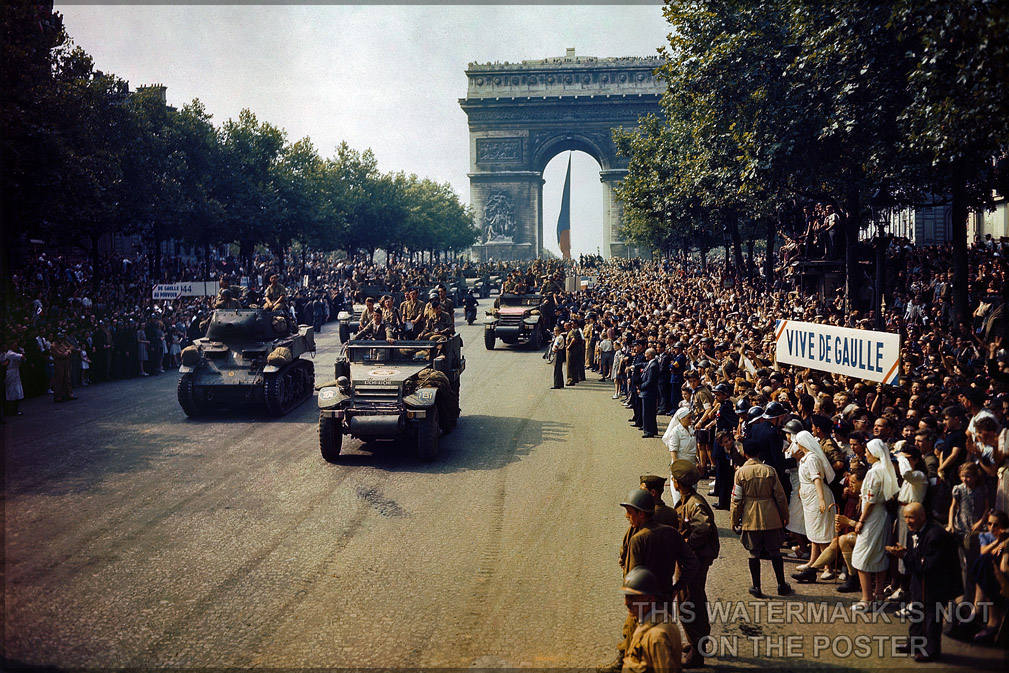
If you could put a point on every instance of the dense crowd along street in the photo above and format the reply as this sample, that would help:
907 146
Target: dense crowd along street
826 473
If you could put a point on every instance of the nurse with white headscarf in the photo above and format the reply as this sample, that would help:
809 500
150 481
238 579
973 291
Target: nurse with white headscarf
680 440
817 500
869 557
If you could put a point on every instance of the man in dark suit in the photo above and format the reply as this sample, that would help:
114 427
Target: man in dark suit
663 358
557 347
649 394
634 375
933 567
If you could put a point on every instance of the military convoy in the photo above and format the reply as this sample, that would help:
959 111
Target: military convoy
517 319
247 356
406 390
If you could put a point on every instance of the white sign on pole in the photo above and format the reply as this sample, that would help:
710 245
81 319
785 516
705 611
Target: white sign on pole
841 350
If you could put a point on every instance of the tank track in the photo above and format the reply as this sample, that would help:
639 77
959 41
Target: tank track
289 387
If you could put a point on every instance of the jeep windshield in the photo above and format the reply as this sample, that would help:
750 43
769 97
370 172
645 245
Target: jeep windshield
372 354
521 300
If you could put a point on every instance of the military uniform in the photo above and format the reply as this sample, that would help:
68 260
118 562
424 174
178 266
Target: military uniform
759 506
654 646
274 295
376 332
438 322
698 528
227 302
660 549
411 311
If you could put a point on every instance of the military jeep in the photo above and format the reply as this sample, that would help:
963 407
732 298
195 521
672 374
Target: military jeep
516 319
247 356
402 390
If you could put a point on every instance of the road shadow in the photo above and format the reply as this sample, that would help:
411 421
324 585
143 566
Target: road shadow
68 467
477 443
244 413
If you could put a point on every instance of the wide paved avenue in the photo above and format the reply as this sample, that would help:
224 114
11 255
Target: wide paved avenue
138 538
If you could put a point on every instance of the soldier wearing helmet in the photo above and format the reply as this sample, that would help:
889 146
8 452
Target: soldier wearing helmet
698 528
654 644
654 546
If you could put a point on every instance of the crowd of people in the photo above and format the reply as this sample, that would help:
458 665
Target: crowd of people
864 484
861 483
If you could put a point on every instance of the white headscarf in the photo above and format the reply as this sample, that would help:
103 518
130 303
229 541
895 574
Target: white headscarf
806 440
883 467
679 416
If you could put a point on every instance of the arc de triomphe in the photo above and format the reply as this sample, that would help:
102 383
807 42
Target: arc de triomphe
521 115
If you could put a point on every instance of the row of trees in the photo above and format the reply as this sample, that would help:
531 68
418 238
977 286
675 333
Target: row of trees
85 157
865 104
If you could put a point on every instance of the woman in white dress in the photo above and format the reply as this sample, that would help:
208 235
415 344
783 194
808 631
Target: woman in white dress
679 439
12 382
871 531
796 522
817 500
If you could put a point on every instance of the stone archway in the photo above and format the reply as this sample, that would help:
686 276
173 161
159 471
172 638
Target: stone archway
521 115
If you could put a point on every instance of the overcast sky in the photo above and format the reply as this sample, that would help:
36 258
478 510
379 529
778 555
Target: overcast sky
384 77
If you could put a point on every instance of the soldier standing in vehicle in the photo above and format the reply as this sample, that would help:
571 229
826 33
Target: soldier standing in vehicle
411 310
436 320
698 528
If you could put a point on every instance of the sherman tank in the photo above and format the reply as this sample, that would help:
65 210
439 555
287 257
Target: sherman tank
248 356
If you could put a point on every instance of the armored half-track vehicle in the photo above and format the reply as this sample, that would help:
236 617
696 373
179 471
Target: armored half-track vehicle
516 319
247 356
403 390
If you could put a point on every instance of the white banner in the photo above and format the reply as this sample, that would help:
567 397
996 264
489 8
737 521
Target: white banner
860 353
190 288
172 291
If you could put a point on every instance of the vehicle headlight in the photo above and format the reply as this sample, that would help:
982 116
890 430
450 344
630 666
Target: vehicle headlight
343 383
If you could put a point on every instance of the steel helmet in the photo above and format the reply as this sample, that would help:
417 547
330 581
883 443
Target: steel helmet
774 409
640 500
754 413
793 427
742 405
641 581
723 388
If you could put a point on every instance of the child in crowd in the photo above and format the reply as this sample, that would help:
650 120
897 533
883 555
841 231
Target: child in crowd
971 503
